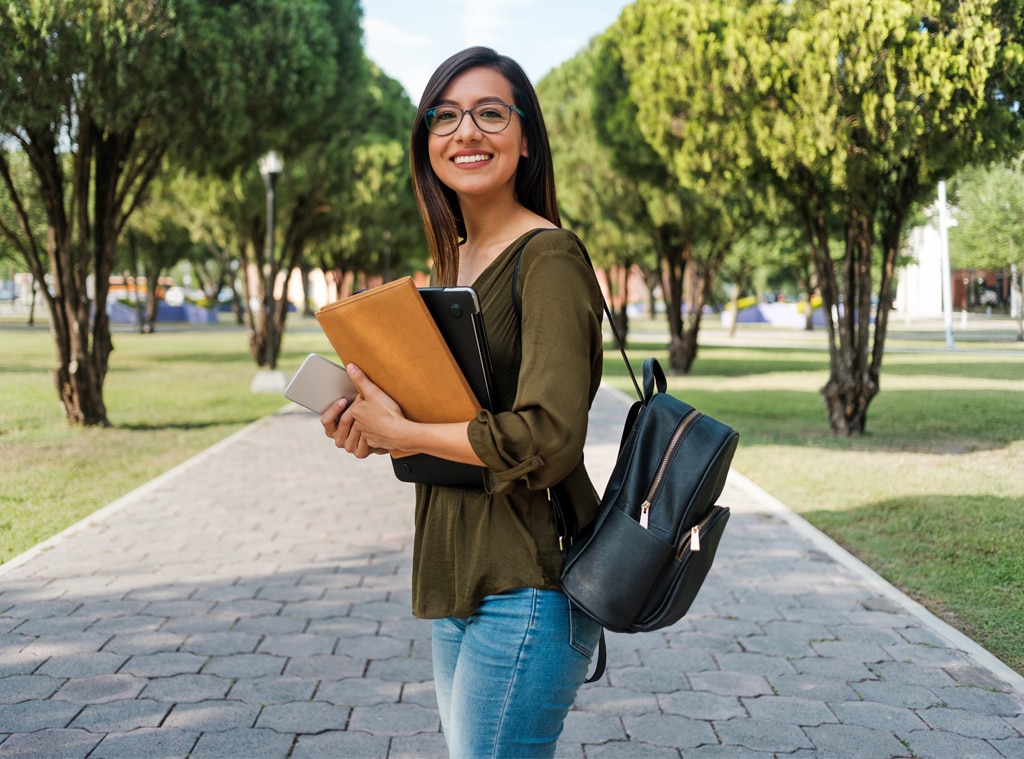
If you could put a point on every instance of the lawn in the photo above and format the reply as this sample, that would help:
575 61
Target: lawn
931 497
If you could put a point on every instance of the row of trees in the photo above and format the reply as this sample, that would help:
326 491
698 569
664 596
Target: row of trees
698 126
694 139
129 135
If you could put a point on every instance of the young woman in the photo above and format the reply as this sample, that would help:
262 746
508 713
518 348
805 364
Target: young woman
509 651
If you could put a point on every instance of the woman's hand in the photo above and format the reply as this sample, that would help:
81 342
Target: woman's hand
369 424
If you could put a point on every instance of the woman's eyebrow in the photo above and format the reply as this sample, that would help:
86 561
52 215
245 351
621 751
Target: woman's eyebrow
480 101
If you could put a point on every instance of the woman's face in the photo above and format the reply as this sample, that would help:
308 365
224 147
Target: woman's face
470 161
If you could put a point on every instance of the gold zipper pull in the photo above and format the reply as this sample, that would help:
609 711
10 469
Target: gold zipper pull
645 514
695 538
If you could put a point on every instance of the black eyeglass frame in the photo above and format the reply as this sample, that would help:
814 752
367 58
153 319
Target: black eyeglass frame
429 113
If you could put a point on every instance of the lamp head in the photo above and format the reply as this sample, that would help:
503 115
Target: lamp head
271 164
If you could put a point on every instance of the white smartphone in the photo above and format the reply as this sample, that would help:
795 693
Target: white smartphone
318 383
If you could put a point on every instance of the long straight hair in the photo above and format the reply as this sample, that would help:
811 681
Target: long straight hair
535 176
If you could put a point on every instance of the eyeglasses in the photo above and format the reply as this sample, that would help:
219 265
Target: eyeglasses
492 118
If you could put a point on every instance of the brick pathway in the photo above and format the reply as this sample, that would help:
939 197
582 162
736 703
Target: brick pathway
254 602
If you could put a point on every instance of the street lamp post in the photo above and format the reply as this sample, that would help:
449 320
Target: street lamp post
947 281
270 169
270 380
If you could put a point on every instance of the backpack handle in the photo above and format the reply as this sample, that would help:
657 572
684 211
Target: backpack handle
654 376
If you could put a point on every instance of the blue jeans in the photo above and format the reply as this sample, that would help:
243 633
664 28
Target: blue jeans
506 677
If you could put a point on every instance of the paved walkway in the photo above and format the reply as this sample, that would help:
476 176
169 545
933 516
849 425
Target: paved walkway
254 602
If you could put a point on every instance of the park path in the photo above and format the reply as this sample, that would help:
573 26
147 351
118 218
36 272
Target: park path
254 602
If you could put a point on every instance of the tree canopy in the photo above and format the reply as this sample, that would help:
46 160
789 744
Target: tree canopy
682 67
96 94
849 110
602 205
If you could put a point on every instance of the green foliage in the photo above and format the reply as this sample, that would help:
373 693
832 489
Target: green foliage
604 206
270 72
989 210
859 108
681 129
95 94
373 219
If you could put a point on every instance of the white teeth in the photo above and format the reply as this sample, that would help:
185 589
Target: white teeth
470 158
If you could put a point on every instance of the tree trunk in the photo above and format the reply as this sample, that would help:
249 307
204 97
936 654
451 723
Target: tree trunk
617 282
148 324
850 386
652 281
280 319
675 268
307 300
256 311
853 381
32 305
847 403
79 324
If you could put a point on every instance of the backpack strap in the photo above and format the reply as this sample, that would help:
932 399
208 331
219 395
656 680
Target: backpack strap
611 319
561 522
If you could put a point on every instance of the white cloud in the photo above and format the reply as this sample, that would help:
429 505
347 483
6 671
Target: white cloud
490 24
387 36
401 54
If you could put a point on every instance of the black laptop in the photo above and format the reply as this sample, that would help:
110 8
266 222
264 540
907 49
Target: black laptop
456 311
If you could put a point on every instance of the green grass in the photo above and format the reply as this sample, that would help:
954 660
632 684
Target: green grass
931 497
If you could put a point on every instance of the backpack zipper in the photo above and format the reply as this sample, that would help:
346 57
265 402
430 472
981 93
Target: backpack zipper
692 539
645 507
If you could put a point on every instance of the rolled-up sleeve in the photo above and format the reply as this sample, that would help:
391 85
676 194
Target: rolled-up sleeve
540 440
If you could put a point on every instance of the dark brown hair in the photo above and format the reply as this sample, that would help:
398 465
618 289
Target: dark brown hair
535 177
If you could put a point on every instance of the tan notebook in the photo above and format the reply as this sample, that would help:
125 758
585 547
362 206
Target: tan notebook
388 332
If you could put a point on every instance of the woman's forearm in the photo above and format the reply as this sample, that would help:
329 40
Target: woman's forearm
446 441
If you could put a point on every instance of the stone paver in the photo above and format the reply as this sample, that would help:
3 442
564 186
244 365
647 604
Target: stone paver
254 602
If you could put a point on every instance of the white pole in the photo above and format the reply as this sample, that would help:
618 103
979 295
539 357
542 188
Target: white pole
947 276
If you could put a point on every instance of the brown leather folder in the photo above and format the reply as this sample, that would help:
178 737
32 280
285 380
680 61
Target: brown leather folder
388 332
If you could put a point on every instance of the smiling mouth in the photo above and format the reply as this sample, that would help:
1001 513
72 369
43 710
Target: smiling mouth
471 158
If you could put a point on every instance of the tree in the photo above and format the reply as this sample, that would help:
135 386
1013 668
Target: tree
372 224
989 233
601 204
859 108
683 76
344 201
95 94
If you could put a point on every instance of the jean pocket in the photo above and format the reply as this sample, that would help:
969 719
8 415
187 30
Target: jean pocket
584 632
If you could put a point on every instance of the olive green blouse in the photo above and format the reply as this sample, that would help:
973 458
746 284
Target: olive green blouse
471 543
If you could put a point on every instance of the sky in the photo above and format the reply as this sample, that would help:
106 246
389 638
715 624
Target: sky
407 39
